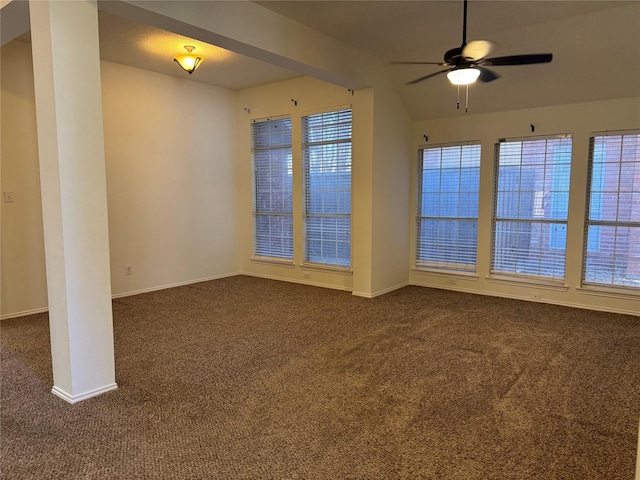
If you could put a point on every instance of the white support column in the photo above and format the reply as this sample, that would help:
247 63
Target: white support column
66 65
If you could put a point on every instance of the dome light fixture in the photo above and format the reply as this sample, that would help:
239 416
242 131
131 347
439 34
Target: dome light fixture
188 61
463 76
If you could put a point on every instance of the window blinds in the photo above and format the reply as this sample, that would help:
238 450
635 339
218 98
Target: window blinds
448 186
327 187
272 169
612 227
531 206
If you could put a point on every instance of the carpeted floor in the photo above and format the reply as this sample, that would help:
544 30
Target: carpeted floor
246 378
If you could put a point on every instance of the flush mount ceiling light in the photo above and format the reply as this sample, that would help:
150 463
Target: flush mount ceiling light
188 61
463 76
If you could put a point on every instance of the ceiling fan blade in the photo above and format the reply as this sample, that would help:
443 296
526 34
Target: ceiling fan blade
487 75
519 59
412 82
477 50
418 63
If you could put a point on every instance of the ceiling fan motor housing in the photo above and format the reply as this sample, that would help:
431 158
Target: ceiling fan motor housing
453 56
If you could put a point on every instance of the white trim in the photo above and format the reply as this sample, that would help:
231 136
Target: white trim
173 285
608 292
319 111
638 456
614 133
278 262
298 281
24 313
380 292
532 138
67 397
127 294
528 282
325 267
528 299
462 143
269 118
446 273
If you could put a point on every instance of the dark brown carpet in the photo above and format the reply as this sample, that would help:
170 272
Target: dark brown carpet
245 378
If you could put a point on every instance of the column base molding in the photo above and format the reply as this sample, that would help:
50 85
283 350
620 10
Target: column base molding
67 397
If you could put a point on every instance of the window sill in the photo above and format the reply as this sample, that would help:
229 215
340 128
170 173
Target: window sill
321 267
611 292
558 286
280 262
445 273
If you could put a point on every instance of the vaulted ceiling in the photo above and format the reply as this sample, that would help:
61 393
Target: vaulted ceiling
596 47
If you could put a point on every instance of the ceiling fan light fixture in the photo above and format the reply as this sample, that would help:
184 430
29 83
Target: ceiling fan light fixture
188 61
463 76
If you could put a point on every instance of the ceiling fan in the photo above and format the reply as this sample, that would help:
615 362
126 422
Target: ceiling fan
467 63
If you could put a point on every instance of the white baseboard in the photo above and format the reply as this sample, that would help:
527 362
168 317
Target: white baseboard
174 285
340 287
67 397
126 294
25 313
528 299
380 292
295 280
638 455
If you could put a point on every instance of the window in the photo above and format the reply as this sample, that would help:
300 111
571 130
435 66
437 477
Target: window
447 223
531 206
612 226
272 177
327 187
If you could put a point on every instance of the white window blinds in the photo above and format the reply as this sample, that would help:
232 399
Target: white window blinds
531 206
447 221
612 227
327 187
273 180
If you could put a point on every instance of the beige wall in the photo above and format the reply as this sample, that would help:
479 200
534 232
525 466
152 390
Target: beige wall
24 285
169 147
576 119
380 164
312 96
391 192
170 178
179 183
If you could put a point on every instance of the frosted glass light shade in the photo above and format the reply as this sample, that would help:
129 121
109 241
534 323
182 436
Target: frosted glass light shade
188 61
463 76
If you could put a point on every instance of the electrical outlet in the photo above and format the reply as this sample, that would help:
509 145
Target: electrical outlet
128 270
306 276
7 197
535 296
451 281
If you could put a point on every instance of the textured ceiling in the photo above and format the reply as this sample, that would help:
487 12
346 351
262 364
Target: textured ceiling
144 46
596 46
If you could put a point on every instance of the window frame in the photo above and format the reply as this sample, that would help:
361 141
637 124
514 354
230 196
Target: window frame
588 222
308 262
460 268
271 257
515 276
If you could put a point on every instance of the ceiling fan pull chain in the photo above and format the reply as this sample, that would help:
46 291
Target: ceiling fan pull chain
458 103
466 101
